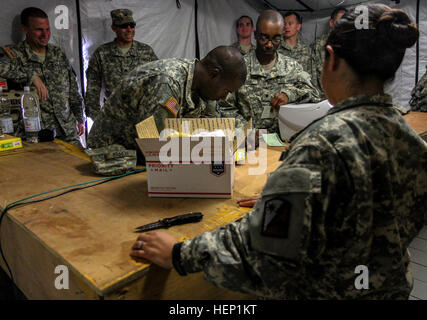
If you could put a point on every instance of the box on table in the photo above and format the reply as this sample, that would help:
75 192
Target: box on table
181 164
10 142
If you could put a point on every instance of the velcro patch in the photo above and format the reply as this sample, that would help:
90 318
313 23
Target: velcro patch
172 105
276 218
9 52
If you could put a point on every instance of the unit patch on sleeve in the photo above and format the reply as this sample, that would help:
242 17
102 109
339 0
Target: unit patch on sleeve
9 53
276 219
172 105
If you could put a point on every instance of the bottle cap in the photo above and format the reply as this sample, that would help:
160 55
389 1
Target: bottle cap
26 89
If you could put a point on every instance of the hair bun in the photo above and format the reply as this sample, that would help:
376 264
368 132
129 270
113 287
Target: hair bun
396 26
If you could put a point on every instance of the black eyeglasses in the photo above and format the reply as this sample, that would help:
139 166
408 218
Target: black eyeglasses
126 25
263 39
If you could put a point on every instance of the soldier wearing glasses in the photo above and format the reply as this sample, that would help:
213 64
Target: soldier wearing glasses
272 79
113 60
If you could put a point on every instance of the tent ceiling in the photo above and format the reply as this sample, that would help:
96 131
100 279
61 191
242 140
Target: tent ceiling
306 4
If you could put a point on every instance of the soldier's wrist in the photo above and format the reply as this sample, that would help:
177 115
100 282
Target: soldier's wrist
289 94
176 259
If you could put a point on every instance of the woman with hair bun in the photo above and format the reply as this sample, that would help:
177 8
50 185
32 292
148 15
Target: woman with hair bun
334 221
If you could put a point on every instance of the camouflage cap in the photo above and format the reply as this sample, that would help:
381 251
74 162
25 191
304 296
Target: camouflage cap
121 16
112 160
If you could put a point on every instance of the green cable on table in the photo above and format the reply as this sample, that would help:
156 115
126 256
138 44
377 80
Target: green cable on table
75 187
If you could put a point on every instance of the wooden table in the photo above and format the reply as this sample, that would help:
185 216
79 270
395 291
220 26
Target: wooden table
91 231
418 122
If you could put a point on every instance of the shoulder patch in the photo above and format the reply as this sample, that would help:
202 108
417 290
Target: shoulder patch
172 105
9 52
276 218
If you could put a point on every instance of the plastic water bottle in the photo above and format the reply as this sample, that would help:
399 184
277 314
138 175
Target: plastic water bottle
6 123
30 115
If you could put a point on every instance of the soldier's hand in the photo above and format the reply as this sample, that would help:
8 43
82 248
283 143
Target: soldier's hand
279 100
248 202
252 141
41 88
80 129
155 247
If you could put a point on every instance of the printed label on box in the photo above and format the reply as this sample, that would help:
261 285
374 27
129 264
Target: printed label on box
218 169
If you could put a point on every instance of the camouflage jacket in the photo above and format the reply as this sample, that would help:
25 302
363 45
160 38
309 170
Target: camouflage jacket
11 69
419 95
351 191
238 46
107 67
300 52
261 86
161 88
318 57
64 105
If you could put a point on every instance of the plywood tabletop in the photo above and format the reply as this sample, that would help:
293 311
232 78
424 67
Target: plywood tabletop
92 229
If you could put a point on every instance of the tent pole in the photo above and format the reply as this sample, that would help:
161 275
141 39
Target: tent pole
79 32
417 65
197 32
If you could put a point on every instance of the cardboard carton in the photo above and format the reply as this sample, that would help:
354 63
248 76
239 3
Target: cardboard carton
182 164
9 142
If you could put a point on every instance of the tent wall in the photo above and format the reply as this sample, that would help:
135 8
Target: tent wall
169 30
217 18
217 21
67 39
169 27
423 38
400 87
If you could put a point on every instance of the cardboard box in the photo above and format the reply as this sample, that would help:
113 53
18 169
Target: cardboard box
184 165
9 142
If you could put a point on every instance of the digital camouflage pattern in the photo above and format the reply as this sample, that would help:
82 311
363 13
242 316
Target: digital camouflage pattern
370 206
112 160
318 56
300 52
64 106
261 86
419 95
161 89
10 68
108 66
239 47
121 16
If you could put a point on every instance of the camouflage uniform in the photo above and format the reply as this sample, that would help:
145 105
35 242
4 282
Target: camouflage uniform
239 47
352 190
161 88
107 67
318 56
261 86
419 95
300 52
64 105
10 68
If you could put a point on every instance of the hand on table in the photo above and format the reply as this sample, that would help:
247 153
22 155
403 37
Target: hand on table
252 141
155 247
248 202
